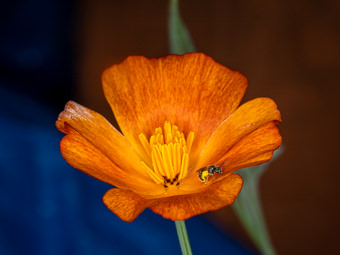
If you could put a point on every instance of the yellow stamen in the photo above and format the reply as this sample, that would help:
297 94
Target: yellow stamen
184 166
169 152
151 173
145 144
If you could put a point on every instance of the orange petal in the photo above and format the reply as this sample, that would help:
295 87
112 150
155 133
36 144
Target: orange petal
191 91
95 147
81 154
247 118
254 149
99 132
125 204
213 197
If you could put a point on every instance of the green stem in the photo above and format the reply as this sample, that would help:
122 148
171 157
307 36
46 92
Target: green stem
183 237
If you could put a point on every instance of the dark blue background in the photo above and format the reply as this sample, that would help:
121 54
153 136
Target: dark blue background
47 207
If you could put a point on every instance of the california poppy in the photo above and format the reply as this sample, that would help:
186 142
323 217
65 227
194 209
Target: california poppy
178 116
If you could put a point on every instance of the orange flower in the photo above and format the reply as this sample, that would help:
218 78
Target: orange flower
178 114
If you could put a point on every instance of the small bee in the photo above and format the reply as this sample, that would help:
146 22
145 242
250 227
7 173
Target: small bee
205 172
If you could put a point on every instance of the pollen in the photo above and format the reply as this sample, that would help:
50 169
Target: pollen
169 151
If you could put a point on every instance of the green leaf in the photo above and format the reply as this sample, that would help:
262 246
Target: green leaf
179 38
247 207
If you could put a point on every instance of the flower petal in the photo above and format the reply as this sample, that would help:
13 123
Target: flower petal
247 118
254 149
81 154
128 205
99 132
191 91
125 204
95 147
213 197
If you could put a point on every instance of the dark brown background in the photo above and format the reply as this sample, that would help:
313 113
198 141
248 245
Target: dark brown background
290 52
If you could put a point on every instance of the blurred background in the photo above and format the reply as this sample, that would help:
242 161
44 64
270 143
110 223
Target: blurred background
54 51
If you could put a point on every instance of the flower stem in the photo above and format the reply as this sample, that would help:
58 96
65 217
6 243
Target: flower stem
183 237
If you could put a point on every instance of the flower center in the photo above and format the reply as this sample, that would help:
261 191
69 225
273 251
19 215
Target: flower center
169 152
